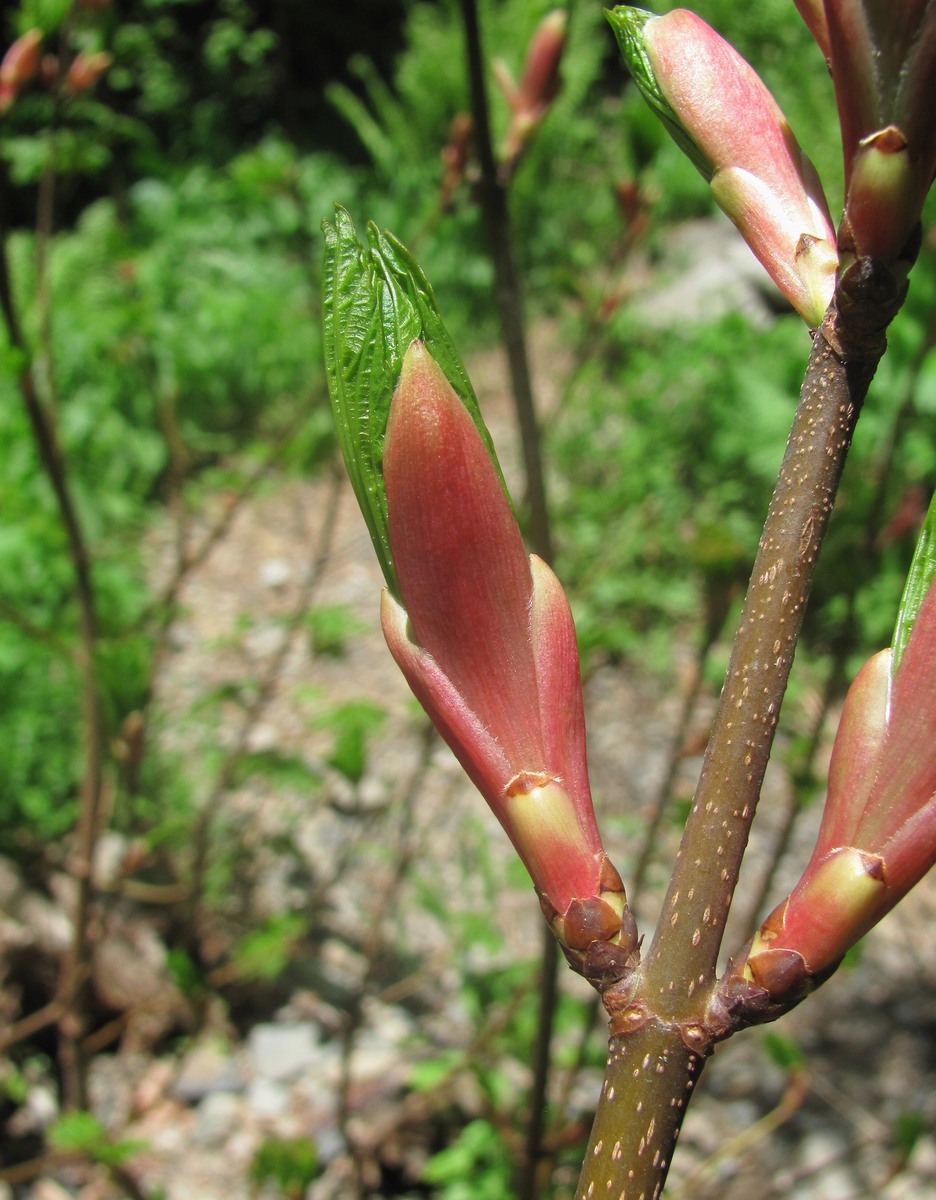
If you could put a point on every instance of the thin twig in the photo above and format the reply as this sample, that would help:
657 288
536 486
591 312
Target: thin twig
73 980
263 697
509 299
664 1026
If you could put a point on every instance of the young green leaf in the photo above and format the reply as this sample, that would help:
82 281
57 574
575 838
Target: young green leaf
376 301
628 24
921 575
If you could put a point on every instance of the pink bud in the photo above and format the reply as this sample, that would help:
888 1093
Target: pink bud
539 84
758 173
878 833
455 156
883 63
85 70
19 65
484 635
813 13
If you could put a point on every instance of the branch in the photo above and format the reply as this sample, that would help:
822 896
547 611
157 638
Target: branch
664 1024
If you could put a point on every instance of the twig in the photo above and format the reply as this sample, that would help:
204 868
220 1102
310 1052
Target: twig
75 971
508 295
263 697
664 1025
507 288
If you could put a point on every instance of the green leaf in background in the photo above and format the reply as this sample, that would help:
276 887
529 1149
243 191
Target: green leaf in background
352 724
283 770
920 576
265 952
331 626
783 1051
909 1127
289 1164
376 301
81 1130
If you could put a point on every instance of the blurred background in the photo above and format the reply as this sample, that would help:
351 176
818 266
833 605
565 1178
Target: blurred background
258 937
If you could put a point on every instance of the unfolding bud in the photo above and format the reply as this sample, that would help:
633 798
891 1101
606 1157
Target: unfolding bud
878 833
539 84
883 63
485 638
455 155
19 65
721 114
85 70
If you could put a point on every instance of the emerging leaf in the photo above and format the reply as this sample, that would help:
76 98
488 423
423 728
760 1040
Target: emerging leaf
919 578
376 301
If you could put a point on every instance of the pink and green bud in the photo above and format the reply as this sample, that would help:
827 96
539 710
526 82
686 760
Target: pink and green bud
376 300
455 155
19 65
877 838
85 70
813 13
539 84
883 62
721 114
484 635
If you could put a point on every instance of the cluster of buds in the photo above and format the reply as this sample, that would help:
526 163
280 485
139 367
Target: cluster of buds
877 838
883 63
723 116
539 85
484 635
882 58
24 62
20 65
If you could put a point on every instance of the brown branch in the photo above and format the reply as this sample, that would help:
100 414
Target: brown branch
507 287
664 1023
75 972
509 299
263 697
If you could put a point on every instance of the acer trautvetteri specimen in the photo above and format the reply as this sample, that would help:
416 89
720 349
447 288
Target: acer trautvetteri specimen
484 635
482 631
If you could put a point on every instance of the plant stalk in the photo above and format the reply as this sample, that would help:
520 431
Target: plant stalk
76 969
664 1024
509 299
507 288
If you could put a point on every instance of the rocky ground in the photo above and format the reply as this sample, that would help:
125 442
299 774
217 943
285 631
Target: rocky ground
402 889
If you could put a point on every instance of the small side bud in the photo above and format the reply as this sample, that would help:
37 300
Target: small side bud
20 64
539 84
832 907
878 833
85 71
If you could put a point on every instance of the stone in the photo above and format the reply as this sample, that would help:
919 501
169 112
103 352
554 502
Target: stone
282 1051
267 1098
218 1116
208 1067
